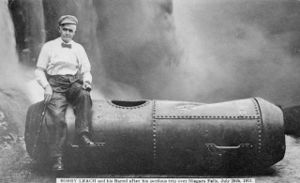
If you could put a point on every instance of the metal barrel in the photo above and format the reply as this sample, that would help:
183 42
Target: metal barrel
35 139
174 136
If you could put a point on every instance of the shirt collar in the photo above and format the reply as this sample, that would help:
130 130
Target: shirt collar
61 41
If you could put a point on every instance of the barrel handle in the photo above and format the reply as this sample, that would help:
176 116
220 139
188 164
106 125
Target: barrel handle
98 145
213 147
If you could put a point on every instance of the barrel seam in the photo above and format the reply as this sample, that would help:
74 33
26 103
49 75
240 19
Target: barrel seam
259 123
154 142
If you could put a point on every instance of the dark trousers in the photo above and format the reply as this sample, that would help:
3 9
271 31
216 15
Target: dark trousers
66 89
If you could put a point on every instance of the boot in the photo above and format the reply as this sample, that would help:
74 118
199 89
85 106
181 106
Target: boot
86 141
58 164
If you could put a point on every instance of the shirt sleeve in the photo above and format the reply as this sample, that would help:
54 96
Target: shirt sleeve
42 64
43 58
85 66
41 77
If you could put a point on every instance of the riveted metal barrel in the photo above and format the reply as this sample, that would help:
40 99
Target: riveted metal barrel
174 136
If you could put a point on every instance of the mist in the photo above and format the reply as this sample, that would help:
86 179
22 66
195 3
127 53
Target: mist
9 58
137 45
200 50
237 49
12 96
196 50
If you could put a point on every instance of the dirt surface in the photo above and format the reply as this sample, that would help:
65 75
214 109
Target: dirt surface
16 166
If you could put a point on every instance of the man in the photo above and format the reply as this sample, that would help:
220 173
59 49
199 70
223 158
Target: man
63 70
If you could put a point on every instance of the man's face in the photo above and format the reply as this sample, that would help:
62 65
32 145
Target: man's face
67 31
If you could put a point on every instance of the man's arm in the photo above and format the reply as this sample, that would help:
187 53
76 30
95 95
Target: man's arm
41 75
85 69
42 80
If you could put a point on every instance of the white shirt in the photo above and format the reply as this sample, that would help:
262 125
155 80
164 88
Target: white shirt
57 60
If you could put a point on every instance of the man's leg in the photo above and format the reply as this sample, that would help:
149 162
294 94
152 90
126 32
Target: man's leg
82 103
56 127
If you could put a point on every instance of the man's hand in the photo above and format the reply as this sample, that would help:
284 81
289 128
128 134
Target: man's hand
87 85
48 93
